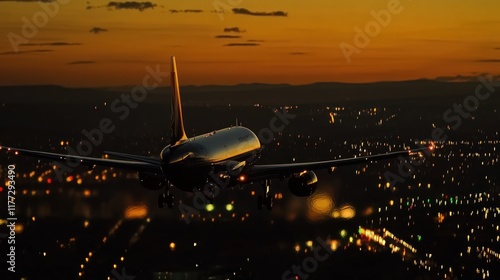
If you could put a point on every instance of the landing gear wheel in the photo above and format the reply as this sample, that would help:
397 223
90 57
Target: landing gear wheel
166 199
161 200
269 203
266 199
170 201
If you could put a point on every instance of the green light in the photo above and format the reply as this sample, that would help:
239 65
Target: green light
210 207
419 237
229 207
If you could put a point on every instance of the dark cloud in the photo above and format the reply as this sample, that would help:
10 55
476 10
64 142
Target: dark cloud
298 53
97 30
81 62
243 11
186 11
234 29
254 40
50 44
489 60
227 36
498 49
131 5
242 45
23 52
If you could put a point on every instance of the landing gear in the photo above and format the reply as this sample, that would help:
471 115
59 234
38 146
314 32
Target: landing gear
210 191
266 199
166 198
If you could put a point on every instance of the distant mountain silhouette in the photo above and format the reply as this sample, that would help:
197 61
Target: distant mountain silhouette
247 94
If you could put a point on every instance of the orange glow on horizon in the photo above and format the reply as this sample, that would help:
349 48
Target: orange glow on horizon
426 39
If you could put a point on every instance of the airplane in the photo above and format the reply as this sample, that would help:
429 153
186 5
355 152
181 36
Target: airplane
230 154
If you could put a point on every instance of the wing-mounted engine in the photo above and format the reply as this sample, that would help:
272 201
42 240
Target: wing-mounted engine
152 180
303 184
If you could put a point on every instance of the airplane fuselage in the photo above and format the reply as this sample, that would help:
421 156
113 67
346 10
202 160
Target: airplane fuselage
187 165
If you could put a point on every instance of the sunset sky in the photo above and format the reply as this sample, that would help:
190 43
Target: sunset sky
103 43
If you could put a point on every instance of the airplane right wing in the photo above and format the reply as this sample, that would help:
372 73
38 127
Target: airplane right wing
273 171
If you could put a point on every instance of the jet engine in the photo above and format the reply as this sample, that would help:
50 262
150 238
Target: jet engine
303 183
152 181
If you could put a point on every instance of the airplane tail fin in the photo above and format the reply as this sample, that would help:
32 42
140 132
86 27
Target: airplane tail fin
177 125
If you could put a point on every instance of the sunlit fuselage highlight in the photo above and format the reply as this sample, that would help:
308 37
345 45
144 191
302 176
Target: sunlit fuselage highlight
187 165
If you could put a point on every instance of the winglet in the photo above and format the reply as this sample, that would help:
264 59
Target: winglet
177 125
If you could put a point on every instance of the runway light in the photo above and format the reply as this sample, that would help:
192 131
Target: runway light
296 248
19 228
343 233
229 207
210 207
347 212
432 146
87 193
172 246
321 203
136 211
334 244
242 178
336 214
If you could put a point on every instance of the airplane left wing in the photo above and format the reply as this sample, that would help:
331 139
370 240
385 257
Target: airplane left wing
87 161
273 171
